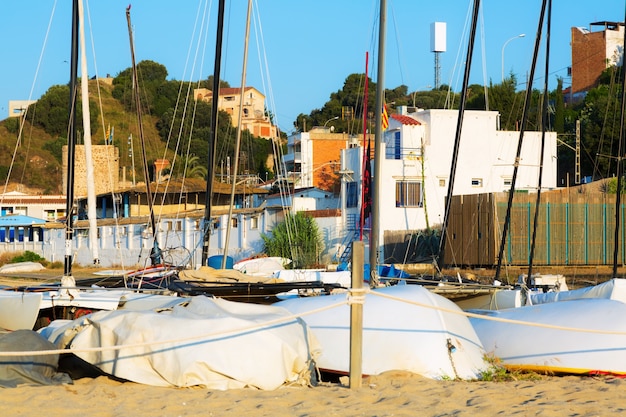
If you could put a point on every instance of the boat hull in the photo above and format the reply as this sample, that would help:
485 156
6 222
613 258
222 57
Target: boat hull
408 334
568 348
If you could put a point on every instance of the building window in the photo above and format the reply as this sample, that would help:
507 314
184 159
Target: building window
507 183
234 222
352 195
254 222
408 194
477 182
442 182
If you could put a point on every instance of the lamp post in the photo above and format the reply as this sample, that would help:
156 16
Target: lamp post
521 35
330 120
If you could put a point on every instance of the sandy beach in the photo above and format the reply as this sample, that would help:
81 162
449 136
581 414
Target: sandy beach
390 394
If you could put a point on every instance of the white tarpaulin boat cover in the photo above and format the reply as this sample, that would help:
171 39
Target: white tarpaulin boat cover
208 342
415 331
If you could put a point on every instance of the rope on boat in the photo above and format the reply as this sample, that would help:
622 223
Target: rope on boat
195 339
354 296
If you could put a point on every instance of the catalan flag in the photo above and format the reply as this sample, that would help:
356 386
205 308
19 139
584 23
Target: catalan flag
385 118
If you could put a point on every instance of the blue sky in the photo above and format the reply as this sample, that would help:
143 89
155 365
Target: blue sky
300 51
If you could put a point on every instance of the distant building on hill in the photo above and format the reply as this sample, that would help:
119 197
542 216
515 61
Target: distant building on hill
594 50
253 118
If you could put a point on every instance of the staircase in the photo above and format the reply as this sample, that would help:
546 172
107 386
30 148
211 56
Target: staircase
352 233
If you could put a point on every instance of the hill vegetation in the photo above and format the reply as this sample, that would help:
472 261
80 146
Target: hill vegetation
31 149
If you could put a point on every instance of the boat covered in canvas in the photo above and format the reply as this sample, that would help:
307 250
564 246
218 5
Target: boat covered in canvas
579 336
415 331
197 341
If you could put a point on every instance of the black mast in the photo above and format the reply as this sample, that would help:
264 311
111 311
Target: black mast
459 126
155 253
620 168
213 143
71 142
507 218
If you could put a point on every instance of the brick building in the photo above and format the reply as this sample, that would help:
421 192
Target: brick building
594 50
312 158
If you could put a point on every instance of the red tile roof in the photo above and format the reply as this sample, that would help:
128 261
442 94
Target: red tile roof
405 120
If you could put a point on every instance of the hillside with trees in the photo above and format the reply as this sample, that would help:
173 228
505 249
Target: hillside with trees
182 134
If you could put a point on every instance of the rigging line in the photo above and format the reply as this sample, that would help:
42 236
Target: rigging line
607 111
520 141
110 171
484 56
459 125
30 95
544 114
199 12
450 96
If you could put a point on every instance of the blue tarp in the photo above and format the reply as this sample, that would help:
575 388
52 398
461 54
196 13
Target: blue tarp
19 220
384 271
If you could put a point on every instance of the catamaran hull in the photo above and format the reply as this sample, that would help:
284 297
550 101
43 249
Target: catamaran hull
568 348
410 334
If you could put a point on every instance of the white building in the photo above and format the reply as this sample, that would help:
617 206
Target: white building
417 149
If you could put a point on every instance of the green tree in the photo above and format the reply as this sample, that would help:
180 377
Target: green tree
559 108
297 238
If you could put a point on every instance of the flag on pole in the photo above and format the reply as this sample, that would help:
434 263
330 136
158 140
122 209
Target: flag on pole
385 118
367 184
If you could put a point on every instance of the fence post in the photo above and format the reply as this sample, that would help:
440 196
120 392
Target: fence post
356 316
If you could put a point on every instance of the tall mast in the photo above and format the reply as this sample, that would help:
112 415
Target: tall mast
71 142
91 192
620 166
378 154
459 126
213 143
366 156
155 254
520 141
238 140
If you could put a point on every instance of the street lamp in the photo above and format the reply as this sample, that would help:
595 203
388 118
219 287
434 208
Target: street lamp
521 35
330 120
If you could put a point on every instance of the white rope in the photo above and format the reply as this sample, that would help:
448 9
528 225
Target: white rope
499 319
204 338
357 295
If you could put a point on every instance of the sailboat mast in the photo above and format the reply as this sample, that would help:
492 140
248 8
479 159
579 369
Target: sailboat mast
155 254
365 150
507 218
378 154
213 143
544 123
71 142
459 127
91 192
238 140
620 166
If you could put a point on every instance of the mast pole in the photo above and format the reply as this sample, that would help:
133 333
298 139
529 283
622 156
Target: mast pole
238 140
71 142
213 143
459 127
365 149
91 192
377 183
544 123
507 218
155 253
620 167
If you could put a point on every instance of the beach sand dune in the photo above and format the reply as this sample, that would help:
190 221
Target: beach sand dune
390 394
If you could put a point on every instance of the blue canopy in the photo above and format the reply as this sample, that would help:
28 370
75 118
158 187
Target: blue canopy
19 220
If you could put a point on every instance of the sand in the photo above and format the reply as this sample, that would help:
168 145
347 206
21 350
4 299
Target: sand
390 394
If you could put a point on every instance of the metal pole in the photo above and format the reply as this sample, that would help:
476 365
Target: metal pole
356 316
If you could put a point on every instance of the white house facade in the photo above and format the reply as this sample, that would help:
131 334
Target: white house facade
417 155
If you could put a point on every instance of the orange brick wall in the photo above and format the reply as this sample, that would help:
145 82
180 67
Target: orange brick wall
588 59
